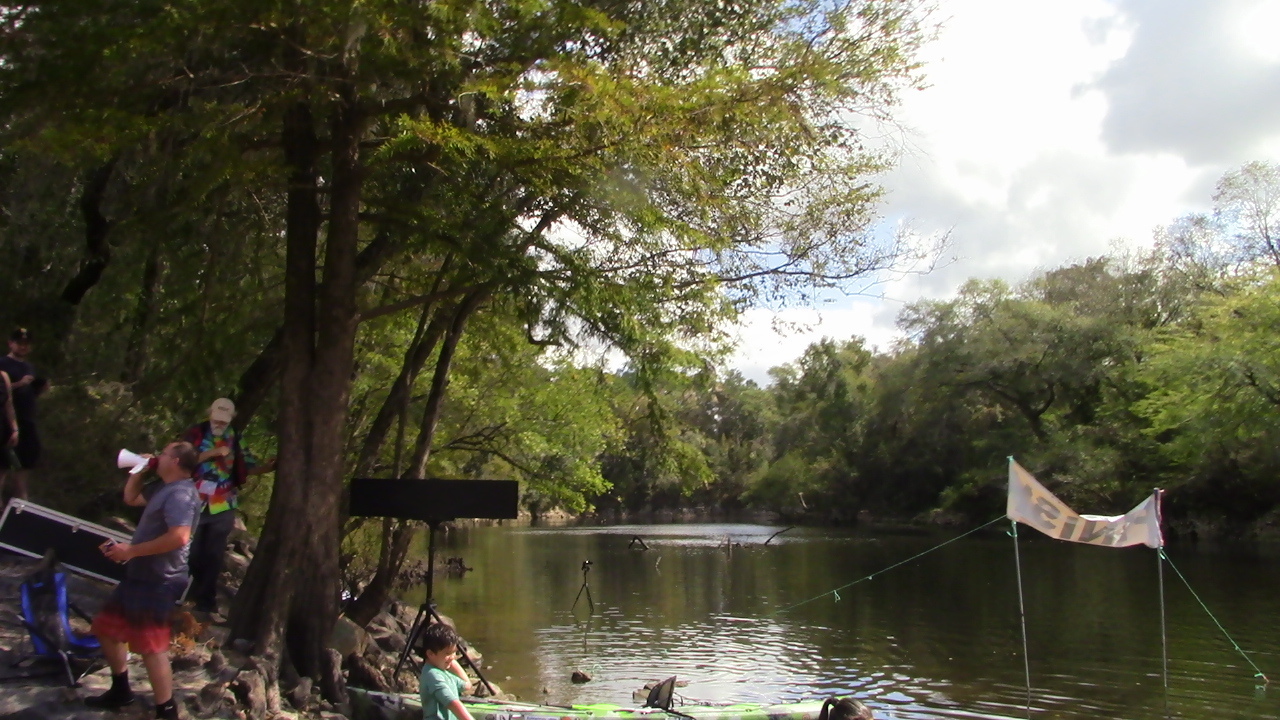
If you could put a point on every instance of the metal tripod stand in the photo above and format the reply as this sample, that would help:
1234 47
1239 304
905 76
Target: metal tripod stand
427 612
586 568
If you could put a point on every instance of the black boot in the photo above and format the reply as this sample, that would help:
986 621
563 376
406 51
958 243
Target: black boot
167 710
117 697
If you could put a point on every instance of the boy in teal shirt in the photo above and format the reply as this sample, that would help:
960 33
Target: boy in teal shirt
443 680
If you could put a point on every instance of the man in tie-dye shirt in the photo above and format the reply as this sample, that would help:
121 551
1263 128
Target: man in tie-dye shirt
225 465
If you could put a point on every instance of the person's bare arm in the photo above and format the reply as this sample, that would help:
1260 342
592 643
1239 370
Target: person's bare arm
133 488
459 710
8 410
173 539
212 453
266 467
456 668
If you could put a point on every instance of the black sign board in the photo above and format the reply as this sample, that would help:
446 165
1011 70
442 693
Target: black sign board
434 500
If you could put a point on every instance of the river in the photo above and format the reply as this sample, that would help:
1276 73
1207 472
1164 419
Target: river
937 637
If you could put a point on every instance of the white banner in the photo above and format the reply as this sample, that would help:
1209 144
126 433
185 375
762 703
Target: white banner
1031 504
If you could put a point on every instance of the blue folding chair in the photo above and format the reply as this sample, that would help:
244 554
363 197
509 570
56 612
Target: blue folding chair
46 615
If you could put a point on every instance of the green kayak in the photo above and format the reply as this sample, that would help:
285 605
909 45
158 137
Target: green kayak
370 705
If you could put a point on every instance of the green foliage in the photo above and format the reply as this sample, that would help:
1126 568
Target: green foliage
1214 400
782 486
1216 377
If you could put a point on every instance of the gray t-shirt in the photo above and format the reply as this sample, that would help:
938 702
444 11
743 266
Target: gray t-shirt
169 505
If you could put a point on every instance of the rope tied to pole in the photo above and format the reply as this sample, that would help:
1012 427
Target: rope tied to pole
836 591
1258 671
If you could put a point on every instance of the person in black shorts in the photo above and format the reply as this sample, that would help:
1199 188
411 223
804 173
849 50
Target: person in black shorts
25 387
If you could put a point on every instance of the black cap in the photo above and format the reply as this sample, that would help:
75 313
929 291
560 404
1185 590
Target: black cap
21 335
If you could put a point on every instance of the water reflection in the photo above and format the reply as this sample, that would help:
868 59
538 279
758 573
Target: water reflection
936 638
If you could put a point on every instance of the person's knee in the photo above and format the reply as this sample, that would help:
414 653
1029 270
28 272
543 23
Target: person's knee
156 661
109 644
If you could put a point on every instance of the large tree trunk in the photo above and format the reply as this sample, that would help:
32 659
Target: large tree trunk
315 606
56 319
262 603
397 535
97 251
259 379
397 539
393 405
290 594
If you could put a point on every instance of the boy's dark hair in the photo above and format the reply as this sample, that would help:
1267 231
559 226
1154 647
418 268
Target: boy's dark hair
846 709
187 457
438 636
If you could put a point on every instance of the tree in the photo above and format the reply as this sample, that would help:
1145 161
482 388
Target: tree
1206 251
1214 401
516 411
821 402
1051 372
738 421
1248 201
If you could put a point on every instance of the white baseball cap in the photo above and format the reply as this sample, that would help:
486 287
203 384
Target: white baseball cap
222 410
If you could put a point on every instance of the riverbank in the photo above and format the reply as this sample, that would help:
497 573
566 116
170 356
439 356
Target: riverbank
213 678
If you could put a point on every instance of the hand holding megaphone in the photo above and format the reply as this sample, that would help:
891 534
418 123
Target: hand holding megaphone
132 461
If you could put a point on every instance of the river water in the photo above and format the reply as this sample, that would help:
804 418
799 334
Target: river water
937 637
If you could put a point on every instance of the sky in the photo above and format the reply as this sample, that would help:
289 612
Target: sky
1051 132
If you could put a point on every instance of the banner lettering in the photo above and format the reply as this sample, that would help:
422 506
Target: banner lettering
1031 504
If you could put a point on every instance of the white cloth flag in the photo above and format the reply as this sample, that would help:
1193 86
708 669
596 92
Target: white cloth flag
1031 504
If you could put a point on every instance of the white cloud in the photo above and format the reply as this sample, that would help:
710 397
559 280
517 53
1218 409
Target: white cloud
1193 80
769 338
1051 129
1254 29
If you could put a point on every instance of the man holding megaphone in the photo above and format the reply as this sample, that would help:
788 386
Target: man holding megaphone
137 614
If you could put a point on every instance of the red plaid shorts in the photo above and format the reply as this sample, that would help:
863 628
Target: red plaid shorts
137 613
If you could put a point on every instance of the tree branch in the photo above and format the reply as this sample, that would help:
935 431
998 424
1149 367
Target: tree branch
97 227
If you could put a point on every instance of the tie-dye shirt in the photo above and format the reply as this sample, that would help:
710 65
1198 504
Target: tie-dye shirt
217 479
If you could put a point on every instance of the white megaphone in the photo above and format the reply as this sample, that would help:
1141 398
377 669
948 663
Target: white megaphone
131 461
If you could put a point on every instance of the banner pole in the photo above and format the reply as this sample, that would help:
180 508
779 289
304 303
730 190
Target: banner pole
1022 614
1164 636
